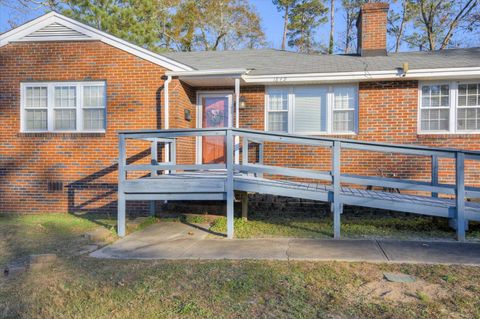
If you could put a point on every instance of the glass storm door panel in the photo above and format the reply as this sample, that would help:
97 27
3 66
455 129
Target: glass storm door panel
214 114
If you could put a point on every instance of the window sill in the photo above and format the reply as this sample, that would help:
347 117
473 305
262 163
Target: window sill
446 134
326 134
62 133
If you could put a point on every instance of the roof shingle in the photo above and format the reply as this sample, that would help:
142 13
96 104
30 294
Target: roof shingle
270 61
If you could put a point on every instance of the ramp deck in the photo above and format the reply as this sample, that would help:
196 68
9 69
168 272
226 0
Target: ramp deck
169 181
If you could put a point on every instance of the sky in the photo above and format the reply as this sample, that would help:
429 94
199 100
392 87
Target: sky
272 21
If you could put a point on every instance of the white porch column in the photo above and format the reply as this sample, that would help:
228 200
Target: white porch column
237 119
166 94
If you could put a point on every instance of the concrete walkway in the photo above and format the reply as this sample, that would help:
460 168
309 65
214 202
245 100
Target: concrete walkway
181 241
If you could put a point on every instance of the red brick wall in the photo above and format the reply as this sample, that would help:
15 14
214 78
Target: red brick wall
85 163
387 113
183 97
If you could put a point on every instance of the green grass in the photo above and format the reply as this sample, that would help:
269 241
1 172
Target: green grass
87 288
83 287
21 235
399 227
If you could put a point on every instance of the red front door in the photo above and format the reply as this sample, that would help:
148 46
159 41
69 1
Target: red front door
214 114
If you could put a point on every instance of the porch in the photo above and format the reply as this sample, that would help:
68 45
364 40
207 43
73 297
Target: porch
218 181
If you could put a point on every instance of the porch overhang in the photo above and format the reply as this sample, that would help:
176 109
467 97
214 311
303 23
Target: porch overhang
209 78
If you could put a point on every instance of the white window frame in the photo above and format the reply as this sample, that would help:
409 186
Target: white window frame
453 108
51 105
330 103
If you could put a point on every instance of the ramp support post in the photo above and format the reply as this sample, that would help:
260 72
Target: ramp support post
460 195
229 185
336 205
245 205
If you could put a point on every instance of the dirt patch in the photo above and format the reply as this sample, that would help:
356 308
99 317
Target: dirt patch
403 292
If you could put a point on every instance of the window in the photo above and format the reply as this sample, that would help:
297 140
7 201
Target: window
278 109
63 107
36 108
344 101
452 107
312 109
468 111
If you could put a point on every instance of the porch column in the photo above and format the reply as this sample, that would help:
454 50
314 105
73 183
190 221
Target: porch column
237 119
167 113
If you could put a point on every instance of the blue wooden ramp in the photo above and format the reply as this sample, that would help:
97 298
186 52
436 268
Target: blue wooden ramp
168 180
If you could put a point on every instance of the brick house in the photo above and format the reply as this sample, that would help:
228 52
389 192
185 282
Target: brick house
67 89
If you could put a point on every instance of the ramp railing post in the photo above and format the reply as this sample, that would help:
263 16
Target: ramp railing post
460 194
434 172
121 209
173 153
245 151
153 172
229 185
260 157
336 205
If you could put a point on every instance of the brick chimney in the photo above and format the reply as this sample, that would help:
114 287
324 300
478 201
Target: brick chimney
372 29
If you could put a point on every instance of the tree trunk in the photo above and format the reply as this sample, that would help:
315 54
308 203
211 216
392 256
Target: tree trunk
332 24
402 24
285 28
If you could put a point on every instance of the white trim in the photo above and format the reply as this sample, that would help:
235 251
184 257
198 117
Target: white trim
453 108
329 105
194 73
16 35
79 85
199 95
420 74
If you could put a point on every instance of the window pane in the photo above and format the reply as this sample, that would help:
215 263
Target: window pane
94 119
277 121
435 120
36 120
344 98
278 99
65 96
343 121
310 109
94 96
36 97
65 119
468 119
435 96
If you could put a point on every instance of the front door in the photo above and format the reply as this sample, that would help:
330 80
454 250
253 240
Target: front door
214 114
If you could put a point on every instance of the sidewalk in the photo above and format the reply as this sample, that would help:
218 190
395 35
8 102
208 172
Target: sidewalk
180 241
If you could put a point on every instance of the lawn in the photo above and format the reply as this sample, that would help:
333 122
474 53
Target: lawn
76 286
392 226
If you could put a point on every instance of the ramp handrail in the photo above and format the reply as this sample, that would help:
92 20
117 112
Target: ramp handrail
334 177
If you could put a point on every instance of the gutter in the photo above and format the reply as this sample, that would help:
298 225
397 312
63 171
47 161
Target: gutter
397 74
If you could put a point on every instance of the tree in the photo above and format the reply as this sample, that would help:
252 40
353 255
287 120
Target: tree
351 10
217 25
332 25
397 21
169 24
437 22
304 18
285 6
137 21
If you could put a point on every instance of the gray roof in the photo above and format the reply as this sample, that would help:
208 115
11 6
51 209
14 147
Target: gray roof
270 61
